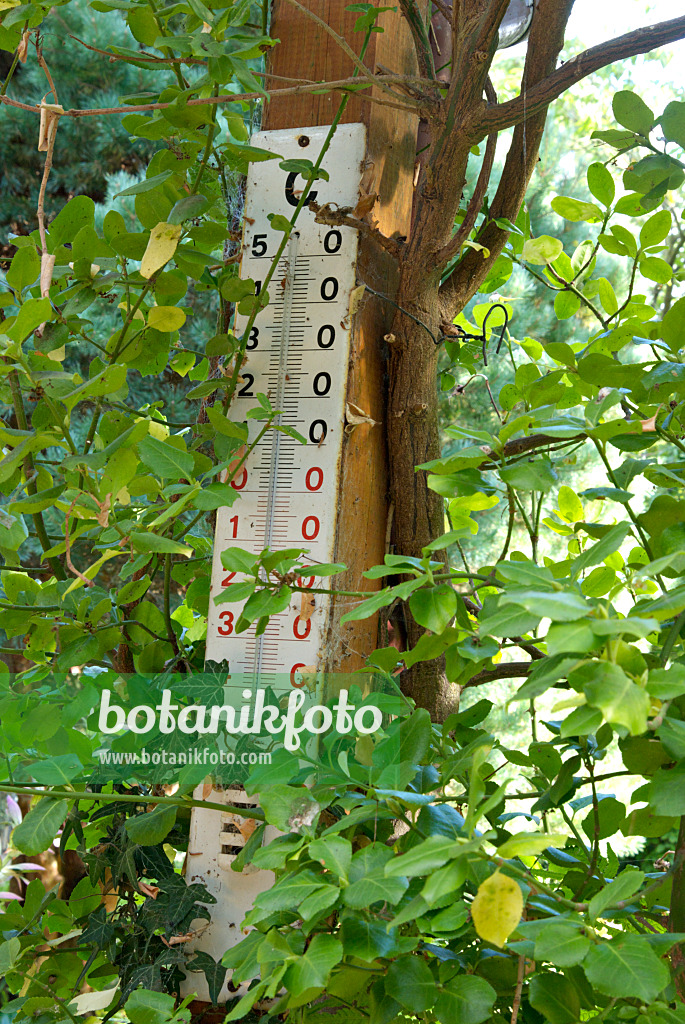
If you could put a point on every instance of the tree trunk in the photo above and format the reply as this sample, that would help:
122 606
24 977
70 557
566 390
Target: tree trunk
676 921
413 437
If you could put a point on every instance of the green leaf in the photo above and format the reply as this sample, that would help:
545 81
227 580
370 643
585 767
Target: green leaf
10 950
673 325
370 606
610 542
238 560
543 249
334 852
24 269
422 859
671 732
626 968
655 269
32 314
411 983
144 1006
561 944
56 771
673 122
163 545
581 722
555 997
364 939
152 827
570 636
632 112
566 304
623 887
621 701
434 608
575 210
465 999
146 185
530 476
374 888
563 606
187 208
313 967
601 183
285 805
165 459
40 826
78 212
667 794
656 228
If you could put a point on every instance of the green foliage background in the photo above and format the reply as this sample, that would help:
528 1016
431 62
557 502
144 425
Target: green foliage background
447 872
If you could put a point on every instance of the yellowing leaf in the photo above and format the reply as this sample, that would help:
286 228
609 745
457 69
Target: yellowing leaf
166 318
497 908
160 248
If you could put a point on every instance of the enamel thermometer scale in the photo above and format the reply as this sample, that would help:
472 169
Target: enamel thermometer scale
297 353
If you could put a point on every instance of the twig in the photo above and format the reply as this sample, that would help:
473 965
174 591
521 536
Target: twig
326 215
67 547
519 989
51 128
339 85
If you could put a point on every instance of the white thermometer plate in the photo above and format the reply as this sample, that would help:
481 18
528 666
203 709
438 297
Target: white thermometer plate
298 353
289 497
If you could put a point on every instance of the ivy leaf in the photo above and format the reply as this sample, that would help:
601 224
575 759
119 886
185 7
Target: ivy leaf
214 972
152 827
497 908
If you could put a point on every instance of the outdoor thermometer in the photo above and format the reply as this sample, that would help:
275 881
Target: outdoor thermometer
297 354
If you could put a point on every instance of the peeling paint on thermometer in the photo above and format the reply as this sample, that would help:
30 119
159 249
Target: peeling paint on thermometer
298 354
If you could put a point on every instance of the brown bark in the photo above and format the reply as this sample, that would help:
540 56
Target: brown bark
676 920
412 424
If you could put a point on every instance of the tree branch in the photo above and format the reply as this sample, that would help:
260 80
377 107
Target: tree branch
507 670
453 248
538 98
545 42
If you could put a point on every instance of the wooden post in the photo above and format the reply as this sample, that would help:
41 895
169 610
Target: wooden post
307 51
